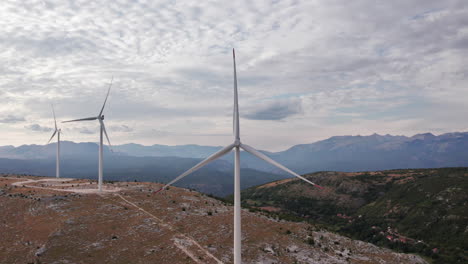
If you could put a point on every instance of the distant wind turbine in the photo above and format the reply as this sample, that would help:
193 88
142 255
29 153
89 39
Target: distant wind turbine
57 132
237 145
99 117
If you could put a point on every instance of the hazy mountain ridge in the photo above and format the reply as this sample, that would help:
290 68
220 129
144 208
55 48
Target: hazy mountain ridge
68 149
162 163
376 152
200 151
342 153
185 151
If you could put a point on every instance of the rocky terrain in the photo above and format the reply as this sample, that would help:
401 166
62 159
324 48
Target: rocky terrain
47 220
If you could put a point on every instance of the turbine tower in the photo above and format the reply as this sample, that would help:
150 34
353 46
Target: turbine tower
100 118
57 132
237 145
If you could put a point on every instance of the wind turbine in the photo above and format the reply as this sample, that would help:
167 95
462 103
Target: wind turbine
100 118
237 145
57 131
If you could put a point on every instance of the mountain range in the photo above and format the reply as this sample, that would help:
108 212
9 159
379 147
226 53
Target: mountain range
378 152
160 162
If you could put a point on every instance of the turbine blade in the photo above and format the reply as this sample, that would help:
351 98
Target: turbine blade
274 163
108 91
55 120
105 133
236 101
82 119
211 158
55 132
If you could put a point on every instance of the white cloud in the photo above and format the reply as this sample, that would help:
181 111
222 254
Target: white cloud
11 119
86 130
38 128
172 64
121 128
274 109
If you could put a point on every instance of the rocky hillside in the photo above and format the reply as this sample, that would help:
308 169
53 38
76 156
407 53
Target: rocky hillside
66 221
423 211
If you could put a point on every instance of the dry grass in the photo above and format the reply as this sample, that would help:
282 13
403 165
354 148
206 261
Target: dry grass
133 225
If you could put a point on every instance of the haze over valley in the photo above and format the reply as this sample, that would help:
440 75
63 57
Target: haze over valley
160 163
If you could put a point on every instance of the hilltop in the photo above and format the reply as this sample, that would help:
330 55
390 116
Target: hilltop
47 220
417 210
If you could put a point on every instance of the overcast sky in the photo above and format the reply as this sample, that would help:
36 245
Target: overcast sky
307 70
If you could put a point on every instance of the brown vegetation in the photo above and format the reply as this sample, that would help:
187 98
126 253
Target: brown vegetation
46 222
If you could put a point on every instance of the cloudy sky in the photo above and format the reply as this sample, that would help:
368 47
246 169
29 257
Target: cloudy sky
307 69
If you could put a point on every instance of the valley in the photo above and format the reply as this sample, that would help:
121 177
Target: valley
422 211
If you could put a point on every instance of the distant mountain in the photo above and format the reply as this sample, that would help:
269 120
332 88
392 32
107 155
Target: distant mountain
185 151
418 210
376 152
343 153
69 150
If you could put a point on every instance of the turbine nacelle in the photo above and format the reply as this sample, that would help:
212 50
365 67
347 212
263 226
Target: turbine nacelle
56 128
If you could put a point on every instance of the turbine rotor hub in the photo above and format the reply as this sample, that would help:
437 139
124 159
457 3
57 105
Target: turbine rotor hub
237 143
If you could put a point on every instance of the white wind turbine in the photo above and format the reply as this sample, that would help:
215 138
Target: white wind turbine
237 145
99 117
57 131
